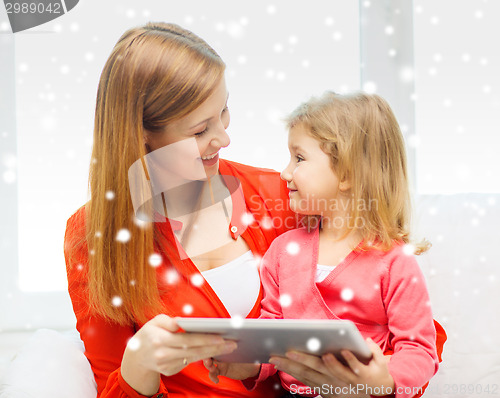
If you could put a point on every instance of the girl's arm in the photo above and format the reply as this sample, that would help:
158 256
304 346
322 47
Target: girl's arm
410 322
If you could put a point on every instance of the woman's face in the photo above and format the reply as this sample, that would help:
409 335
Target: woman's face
189 147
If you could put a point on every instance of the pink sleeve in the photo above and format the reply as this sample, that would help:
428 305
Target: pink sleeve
410 321
266 370
271 307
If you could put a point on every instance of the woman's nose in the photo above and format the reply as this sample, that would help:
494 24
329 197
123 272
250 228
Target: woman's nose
221 138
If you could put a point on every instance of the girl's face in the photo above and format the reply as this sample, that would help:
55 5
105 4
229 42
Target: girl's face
189 147
313 185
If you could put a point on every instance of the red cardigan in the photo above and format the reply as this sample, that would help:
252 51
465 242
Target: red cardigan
265 196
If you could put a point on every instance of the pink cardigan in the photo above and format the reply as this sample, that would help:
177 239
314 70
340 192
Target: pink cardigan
383 293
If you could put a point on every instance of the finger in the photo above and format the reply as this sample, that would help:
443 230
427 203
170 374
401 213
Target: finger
199 353
208 363
311 361
338 369
302 373
378 355
353 362
165 322
189 340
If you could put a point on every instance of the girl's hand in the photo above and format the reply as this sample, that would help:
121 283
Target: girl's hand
157 349
236 371
375 375
312 371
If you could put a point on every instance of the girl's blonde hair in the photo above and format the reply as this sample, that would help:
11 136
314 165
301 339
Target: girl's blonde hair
155 74
362 137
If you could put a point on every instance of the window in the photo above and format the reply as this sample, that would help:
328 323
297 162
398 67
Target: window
49 81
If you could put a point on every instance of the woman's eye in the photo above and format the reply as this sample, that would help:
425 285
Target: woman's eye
225 109
201 133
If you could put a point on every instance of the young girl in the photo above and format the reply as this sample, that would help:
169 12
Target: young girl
353 259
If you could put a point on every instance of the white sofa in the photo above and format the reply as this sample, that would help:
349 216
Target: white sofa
463 275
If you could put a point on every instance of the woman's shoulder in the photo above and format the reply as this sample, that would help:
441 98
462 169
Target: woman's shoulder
75 236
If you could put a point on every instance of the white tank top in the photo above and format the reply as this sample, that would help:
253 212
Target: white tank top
237 283
322 271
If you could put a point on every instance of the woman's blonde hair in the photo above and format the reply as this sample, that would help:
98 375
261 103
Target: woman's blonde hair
362 137
155 74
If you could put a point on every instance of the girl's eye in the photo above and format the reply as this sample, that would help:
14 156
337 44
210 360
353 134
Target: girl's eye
225 109
299 158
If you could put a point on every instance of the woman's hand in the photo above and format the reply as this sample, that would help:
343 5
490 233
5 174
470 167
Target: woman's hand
329 376
157 349
236 371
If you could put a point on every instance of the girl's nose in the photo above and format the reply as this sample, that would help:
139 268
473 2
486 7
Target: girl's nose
286 174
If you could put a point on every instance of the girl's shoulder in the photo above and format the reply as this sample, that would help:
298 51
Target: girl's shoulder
295 238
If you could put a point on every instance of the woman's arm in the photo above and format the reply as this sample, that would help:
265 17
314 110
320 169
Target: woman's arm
124 367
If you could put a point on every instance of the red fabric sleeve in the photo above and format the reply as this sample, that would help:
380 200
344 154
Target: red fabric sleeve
104 341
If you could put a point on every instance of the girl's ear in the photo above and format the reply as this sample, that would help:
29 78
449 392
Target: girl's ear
345 185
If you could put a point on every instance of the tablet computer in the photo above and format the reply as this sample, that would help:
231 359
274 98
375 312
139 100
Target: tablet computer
259 339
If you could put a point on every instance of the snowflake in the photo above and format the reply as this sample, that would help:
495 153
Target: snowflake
235 30
347 294
133 344
409 249
133 282
9 176
466 57
293 248
123 235
406 74
285 300
278 47
337 36
187 309
247 218
197 280
74 27
266 223
236 321
434 20
271 9
313 344
172 277
478 14
389 30
116 301
370 87
64 69
392 52
110 195
155 260
89 56
98 234
329 21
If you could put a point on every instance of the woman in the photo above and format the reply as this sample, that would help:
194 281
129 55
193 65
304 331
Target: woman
159 194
